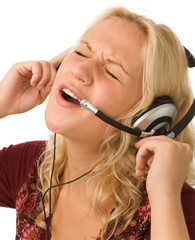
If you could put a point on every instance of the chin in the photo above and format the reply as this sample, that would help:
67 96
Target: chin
74 125
58 123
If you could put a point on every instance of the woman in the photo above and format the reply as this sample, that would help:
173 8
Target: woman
120 64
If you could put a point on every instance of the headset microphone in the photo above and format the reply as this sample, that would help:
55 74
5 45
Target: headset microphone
160 128
135 131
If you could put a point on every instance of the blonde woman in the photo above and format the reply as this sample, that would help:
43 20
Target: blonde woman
120 64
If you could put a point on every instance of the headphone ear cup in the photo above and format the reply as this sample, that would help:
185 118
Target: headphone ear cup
159 116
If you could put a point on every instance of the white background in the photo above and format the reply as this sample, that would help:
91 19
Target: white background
40 29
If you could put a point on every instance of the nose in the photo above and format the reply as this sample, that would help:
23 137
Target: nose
84 71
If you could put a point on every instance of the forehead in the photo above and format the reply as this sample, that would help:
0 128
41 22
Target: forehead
118 32
117 38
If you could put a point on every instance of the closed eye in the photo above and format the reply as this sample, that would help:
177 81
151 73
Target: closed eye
80 54
112 75
108 72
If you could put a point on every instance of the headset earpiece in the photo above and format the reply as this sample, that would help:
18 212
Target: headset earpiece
158 117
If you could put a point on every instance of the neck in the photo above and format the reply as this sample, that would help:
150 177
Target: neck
81 158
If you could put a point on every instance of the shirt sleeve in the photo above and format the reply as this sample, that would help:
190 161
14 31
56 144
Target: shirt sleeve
15 163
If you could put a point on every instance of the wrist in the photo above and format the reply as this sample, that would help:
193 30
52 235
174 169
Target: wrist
161 195
4 111
166 208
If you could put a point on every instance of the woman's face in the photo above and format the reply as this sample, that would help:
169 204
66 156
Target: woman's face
105 68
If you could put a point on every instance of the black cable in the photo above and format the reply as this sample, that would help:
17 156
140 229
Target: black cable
134 131
49 189
57 185
54 157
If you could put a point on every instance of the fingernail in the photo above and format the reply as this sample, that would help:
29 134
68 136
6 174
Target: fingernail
40 87
49 88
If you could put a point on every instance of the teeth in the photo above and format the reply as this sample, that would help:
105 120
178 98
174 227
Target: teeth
68 92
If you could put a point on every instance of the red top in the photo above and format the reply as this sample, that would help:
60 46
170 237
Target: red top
18 189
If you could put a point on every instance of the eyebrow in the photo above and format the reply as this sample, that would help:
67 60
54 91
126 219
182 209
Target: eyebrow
88 46
109 60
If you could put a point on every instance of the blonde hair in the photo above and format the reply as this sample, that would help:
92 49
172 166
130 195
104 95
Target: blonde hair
164 73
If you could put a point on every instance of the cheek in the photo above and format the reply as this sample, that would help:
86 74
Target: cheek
53 112
82 127
119 102
128 97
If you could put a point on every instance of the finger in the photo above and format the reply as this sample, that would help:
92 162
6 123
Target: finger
60 57
46 75
147 149
52 78
36 69
153 138
29 70
144 156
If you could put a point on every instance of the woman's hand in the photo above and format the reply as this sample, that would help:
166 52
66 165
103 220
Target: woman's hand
27 84
168 161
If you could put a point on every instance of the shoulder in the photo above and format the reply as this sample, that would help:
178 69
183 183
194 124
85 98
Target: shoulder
15 163
19 158
28 201
22 149
27 147
27 154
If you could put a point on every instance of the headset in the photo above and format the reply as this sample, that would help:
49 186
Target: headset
158 117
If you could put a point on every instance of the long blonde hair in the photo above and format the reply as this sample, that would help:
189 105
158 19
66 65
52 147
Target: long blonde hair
164 73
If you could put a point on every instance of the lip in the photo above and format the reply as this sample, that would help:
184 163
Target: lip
72 89
62 102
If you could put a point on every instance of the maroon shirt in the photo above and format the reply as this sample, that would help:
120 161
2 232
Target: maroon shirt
18 189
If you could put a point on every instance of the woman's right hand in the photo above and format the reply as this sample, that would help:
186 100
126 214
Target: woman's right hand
26 85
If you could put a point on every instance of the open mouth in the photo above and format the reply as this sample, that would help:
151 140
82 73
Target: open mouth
69 96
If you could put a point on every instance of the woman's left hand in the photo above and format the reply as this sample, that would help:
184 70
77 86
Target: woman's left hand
168 161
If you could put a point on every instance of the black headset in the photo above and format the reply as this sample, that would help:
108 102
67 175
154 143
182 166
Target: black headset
157 119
